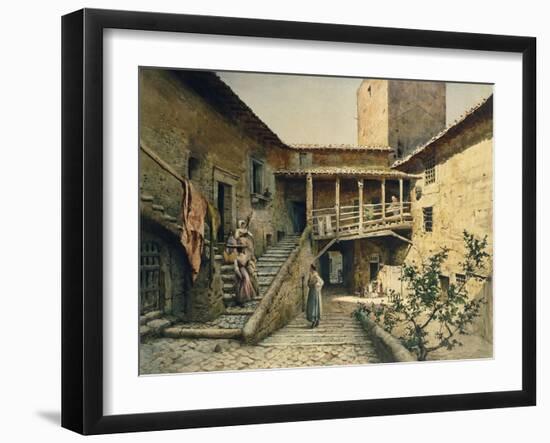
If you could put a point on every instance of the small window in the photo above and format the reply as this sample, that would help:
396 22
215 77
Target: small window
257 177
429 174
427 214
193 168
303 159
460 279
444 284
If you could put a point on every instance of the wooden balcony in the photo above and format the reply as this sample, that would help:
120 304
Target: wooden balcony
349 222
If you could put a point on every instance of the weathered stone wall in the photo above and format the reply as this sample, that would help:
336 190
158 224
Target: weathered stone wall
285 299
400 113
179 125
373 113
417 112
209 148
483 325
461 198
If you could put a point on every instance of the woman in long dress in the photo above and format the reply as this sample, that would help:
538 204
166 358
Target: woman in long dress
245 290
313 306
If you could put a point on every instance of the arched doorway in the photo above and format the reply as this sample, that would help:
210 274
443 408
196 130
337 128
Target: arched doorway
336 265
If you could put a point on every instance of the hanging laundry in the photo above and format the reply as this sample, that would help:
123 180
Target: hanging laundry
194 209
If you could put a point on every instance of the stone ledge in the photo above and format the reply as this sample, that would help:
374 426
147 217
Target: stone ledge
388 347
153 324
176 332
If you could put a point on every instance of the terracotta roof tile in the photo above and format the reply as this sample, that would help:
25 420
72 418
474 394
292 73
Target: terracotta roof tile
345 170
336 147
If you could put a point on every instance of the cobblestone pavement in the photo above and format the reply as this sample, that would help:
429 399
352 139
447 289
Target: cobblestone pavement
338 340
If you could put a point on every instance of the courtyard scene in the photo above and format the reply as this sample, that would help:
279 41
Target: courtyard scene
372 246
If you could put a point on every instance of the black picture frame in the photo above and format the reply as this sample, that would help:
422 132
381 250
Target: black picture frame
82 218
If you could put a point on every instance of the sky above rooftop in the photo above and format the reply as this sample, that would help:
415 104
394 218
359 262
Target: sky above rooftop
313 109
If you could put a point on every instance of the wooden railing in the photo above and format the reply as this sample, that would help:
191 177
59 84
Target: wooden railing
347 221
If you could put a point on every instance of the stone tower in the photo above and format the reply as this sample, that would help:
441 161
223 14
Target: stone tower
399 113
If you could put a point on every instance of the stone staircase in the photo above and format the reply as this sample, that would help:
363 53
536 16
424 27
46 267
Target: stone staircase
267 267
338 329
230 324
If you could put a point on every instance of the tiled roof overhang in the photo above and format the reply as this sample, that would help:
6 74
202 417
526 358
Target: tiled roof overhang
337 147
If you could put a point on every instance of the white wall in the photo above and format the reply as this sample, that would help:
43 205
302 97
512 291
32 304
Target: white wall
30 190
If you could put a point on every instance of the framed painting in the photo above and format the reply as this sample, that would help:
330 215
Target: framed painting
270 221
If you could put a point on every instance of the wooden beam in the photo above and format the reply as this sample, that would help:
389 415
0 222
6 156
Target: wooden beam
325 248
164 165
401 197
383 198
360 185
337 205
309 199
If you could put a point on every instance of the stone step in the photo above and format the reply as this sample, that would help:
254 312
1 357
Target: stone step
264 273
342 338
169 218
282 256
326 324
320 343
228 277
318 338
236 310
153 315
273 266
293 329
317 335
271 261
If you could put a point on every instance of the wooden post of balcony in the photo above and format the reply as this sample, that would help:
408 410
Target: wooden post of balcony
383 199
360 184
401 198
309 199
337 206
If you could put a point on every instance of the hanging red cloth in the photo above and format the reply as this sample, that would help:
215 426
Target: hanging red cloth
194 208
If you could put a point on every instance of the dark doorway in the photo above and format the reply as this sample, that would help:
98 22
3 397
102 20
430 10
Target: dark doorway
336 265
298 216
374 267
225 210
150 277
